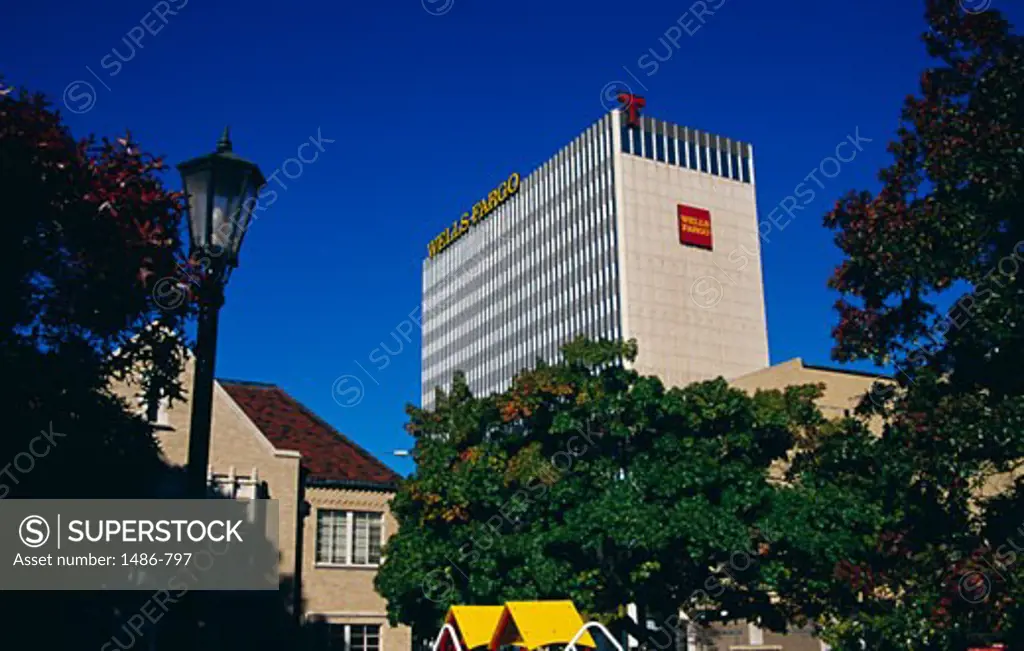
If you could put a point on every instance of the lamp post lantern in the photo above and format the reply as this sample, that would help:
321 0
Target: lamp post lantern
221 189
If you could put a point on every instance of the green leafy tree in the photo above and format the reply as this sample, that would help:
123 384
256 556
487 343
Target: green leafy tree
588 481
917 529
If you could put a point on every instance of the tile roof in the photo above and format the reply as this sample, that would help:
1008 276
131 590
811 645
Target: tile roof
327 455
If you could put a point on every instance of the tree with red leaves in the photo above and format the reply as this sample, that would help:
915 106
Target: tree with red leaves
87 228
932 282
931 272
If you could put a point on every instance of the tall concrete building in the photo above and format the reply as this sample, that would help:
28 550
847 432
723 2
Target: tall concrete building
645 231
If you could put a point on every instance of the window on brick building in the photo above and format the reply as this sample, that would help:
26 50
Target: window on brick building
348 537
354 637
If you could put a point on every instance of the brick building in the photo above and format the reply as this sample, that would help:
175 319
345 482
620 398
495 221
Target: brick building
332 497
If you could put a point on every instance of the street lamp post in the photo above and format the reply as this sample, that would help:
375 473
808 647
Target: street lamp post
221 189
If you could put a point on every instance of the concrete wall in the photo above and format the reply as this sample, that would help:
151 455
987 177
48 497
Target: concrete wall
741 636
798 640
843 390
696 314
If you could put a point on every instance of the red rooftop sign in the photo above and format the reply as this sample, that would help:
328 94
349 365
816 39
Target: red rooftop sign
694 227
632 104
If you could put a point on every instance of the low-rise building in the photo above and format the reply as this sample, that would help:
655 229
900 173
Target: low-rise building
332 498
843 390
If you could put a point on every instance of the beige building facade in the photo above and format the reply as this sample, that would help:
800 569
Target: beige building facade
645 231
332 499
843 390
695 306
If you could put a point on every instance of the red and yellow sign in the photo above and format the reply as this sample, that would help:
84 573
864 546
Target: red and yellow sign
481 209
695 227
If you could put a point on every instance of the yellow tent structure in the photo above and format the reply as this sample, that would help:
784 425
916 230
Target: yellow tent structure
475 624
535 624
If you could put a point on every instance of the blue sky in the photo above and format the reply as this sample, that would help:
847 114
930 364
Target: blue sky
429 104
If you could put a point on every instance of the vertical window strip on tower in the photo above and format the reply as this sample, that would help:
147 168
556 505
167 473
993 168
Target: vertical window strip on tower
568 228
589 230
552 297
573 248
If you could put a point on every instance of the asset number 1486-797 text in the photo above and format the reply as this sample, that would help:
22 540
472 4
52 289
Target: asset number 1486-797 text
166 558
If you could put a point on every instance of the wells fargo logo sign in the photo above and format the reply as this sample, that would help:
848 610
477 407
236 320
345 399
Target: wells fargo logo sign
481 209
694 227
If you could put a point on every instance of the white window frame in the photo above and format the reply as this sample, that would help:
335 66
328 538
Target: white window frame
347 634
349 539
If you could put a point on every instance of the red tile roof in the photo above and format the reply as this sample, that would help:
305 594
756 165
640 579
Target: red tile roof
327 455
